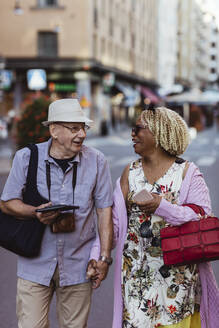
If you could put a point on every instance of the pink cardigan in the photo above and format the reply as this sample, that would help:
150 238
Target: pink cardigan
193 190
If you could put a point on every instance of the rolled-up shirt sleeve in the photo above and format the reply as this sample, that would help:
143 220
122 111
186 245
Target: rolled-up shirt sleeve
103 193
17 177
198 194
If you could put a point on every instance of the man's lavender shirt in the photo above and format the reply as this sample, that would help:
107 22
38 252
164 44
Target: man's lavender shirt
93 190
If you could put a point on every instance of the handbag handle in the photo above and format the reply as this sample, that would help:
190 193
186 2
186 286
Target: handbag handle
196 208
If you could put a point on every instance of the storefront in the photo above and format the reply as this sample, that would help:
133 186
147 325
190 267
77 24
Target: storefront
110 97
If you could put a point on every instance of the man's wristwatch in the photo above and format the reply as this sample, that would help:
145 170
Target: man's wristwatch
106 259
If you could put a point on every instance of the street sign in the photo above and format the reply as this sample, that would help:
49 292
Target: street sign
84 93
109 79
62 87
5 79
36 79
2 66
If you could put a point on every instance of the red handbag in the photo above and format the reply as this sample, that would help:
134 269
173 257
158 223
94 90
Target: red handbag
192 242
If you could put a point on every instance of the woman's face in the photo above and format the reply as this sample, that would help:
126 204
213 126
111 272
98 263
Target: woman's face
142 138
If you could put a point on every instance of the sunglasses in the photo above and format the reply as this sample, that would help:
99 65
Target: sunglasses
137 128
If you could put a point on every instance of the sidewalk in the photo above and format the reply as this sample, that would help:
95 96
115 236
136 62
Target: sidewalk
6 154
5 165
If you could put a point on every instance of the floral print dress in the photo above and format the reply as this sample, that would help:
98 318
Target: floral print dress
152 297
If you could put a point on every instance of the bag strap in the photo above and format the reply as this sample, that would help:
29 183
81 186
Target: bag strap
185 169
33 164
74 178
196 208
48 179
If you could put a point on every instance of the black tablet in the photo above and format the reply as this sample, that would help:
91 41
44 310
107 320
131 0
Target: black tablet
60 207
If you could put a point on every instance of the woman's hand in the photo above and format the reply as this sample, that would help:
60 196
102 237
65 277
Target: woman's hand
150 206
47 217
93 274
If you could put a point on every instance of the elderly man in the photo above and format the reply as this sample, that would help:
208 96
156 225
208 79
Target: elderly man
68 172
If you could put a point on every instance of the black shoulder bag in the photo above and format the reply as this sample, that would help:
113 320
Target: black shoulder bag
24 236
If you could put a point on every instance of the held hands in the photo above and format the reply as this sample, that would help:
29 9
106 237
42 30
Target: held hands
150 206
46 217
96 272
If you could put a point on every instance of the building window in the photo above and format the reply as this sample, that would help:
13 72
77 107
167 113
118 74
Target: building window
213 71
103 7
47 3
47 44
103 46
132 41
94 46
95 17
213 57
133 4
123 34
111 26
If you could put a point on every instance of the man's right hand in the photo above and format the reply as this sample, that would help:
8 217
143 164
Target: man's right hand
47 217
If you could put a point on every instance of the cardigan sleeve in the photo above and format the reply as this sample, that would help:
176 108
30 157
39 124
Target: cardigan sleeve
196 192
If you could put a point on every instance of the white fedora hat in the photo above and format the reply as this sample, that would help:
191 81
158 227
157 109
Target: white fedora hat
66 110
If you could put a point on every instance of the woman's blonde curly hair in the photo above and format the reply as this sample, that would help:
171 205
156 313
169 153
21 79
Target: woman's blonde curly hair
169 129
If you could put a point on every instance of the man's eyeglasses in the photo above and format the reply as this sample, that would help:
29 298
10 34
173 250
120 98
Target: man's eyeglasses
137 128
76 128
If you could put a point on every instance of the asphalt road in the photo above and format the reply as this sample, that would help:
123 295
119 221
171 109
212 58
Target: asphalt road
204 151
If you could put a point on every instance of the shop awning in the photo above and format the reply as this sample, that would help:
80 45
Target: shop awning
148 93
195 96
132 96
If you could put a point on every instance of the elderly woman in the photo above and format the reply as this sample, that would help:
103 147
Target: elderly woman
145 294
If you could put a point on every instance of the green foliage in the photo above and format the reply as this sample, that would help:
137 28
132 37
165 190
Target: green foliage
29 126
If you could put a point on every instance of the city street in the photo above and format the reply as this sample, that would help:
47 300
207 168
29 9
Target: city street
204 151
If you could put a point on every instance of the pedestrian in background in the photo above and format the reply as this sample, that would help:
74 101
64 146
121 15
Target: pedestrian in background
216 113
147 293
63 260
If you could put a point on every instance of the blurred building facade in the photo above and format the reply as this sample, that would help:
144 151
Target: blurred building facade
197 57
111 54
98 50
210 42
167 42
201 64
186 41
213 37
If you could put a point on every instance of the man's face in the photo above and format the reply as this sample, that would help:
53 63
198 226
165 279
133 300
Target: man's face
68 137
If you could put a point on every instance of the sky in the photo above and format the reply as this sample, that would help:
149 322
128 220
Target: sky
213 7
